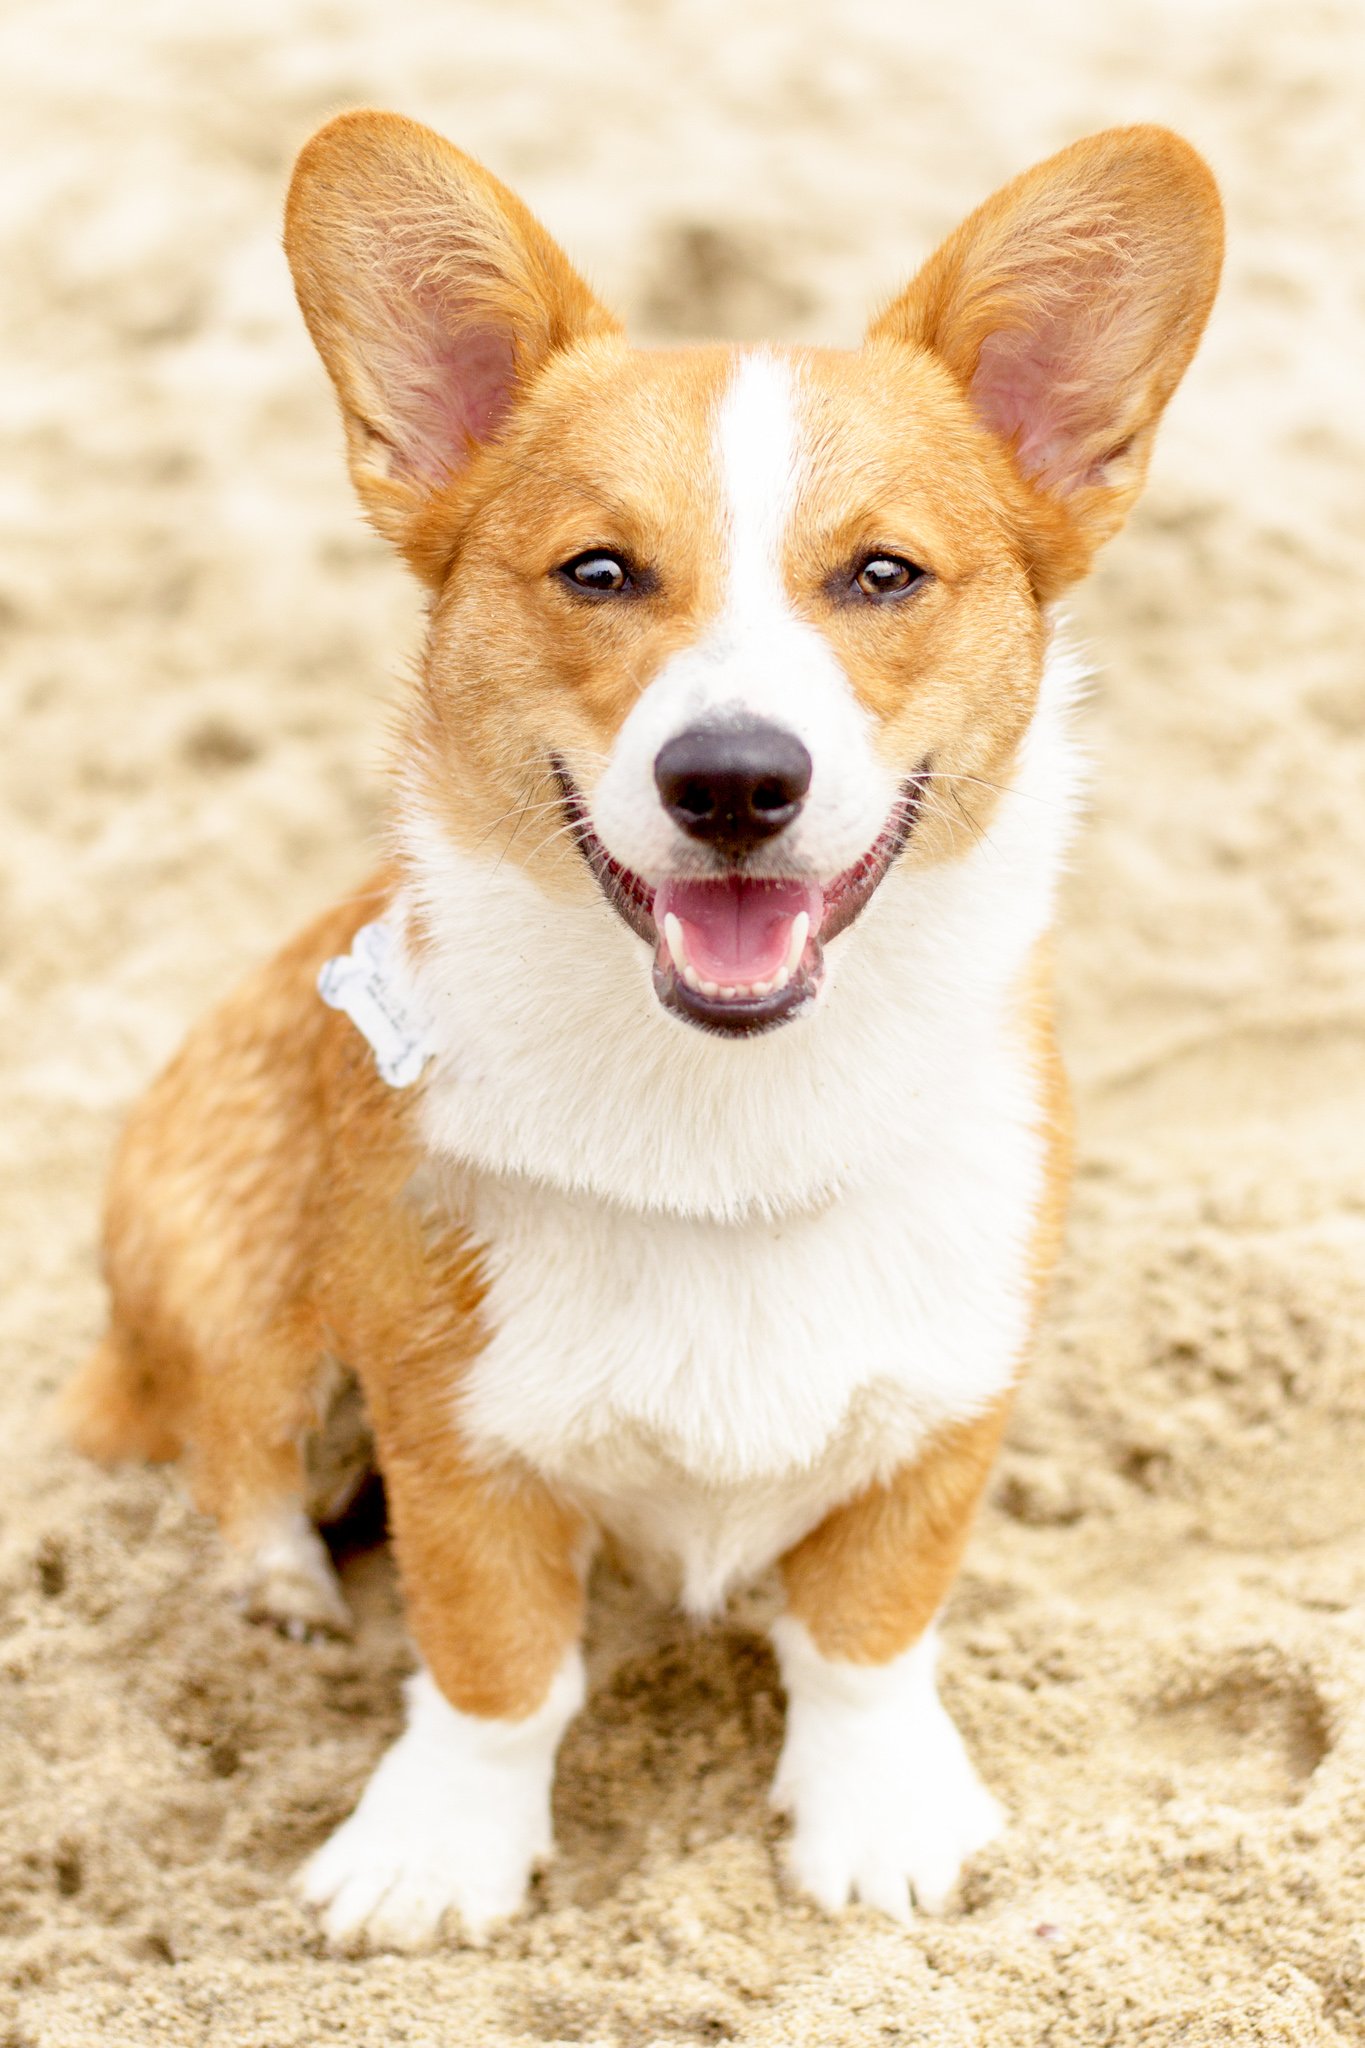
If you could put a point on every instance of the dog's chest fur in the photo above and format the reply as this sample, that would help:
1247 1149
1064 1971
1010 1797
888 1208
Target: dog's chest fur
709 1389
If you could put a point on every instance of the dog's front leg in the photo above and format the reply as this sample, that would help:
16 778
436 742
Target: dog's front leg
457 1812
884 1802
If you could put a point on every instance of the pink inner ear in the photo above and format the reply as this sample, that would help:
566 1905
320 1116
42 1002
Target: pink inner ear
1035 388
452 390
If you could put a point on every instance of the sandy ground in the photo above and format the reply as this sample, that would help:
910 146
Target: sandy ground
1157 1648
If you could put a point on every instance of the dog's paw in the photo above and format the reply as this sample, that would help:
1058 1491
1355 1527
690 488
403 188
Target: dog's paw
450 1827
409 1865
884 1802
898 1842
285 1579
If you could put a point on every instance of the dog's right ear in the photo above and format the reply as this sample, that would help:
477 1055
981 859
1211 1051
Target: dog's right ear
434 298
1068 307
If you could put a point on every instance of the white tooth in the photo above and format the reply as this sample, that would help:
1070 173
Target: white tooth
692 978
709 988
800 933
760 988
673 939
779 980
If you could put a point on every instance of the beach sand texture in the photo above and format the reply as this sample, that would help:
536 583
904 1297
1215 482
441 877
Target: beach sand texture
1157 1648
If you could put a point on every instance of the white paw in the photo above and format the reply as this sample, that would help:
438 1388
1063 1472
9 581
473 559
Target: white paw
884 1802
405 1860
450 1826
286 1579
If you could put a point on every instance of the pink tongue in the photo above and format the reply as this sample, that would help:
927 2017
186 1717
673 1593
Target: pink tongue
737 931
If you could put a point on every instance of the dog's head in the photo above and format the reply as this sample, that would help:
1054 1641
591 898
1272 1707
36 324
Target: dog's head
722 634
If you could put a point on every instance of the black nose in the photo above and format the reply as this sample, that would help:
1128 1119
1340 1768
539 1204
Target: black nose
733 786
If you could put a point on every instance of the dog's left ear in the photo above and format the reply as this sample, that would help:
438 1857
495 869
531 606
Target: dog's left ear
435 300
1068 307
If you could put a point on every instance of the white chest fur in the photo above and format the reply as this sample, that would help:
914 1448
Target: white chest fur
709 1389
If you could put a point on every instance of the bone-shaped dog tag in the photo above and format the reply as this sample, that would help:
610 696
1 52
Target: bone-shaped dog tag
369 983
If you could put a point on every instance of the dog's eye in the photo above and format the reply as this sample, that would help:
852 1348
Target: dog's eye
887 576
596 571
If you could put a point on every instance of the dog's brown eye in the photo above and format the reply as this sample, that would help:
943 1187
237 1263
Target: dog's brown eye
596 571
887 576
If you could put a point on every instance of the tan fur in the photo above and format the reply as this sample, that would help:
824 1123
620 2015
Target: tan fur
269 1212
492 1564
217 1215
869 1580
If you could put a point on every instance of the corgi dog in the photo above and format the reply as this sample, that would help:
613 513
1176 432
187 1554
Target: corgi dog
670 1140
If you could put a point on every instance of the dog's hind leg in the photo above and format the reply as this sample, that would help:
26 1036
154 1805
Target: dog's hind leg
247 1468
242 1425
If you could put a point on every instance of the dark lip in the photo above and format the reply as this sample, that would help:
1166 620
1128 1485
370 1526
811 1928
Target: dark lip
629 896
632 898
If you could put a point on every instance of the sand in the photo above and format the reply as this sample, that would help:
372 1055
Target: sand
1157 1648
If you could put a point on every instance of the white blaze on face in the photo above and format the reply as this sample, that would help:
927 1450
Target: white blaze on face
755 659
757 449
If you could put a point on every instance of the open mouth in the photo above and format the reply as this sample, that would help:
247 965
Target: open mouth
739 953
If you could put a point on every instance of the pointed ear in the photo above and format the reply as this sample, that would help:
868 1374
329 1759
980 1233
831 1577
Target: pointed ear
433 297
1068 307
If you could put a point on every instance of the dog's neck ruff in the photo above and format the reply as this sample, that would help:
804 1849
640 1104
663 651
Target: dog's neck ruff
552 1060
